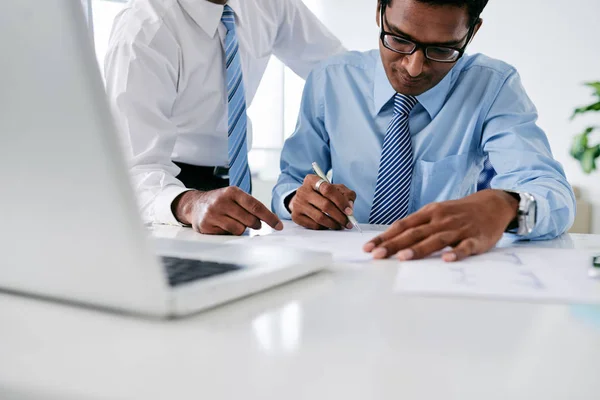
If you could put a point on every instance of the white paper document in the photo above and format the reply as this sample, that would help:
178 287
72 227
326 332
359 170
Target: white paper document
345 246
553 275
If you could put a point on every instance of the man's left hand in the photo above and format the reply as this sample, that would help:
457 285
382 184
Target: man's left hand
471 225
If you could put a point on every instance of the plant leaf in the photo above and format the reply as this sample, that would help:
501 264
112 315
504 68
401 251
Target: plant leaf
580 143
595 86
581 110
588 160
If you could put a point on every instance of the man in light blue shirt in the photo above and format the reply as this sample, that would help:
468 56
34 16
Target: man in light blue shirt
406 130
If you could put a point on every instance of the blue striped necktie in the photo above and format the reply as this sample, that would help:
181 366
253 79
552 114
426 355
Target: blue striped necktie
239 173
392 192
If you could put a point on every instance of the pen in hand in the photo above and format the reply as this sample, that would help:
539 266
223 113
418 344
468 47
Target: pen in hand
322 175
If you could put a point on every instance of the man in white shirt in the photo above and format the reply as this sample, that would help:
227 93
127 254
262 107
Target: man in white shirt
180 75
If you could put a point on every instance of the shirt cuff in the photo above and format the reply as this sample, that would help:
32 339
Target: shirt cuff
163 212
542 217
283 191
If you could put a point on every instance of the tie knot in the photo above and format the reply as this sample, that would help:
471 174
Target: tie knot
228 18
404 104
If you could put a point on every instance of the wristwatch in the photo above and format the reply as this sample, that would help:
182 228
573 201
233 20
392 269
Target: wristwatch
525 220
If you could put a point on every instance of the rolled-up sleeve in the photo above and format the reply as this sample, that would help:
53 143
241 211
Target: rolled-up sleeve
308 144
520 153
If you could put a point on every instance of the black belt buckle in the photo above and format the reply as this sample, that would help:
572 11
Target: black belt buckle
221 172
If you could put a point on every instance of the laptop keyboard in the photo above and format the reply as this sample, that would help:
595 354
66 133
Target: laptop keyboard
184 270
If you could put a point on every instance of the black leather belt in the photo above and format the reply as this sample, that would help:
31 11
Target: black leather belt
221 172
202 177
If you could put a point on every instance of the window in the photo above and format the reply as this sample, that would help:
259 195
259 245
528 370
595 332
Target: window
103 14
274 109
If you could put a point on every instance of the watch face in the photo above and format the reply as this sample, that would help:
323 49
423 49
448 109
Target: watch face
526 215
527 211
530 222
530 217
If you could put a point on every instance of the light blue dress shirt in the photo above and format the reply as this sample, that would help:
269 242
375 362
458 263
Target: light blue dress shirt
479 109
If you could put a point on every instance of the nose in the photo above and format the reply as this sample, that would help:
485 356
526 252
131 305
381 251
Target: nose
414 63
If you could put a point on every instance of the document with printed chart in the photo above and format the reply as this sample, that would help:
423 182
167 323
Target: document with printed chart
533 274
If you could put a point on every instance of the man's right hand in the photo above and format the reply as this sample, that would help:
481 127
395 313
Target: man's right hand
223 211
327 208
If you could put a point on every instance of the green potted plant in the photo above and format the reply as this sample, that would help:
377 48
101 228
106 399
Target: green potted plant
581 148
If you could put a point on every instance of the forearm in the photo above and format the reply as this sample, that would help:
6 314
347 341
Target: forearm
520 154
308 144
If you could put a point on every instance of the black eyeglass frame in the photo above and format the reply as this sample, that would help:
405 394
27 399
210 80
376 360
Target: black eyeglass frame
424 46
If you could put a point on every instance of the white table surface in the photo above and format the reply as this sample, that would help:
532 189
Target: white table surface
341 334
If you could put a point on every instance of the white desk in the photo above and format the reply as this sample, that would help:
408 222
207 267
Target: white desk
342 334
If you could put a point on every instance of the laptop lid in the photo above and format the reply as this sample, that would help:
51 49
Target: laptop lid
69 223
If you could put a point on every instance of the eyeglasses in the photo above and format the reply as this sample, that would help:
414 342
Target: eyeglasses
443 54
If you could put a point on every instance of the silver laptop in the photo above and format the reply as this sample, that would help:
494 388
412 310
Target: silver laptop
69 224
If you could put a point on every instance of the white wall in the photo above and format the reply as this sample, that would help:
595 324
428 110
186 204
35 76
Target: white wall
554 44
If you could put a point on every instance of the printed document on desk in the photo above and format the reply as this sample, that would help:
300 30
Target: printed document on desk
345 246
536 274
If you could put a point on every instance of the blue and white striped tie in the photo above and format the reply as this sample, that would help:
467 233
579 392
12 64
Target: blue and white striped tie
239 173
392 192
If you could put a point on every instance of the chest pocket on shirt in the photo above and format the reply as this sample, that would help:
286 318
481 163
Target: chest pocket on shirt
447 179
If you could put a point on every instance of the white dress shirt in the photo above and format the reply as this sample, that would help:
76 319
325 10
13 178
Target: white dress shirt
165 79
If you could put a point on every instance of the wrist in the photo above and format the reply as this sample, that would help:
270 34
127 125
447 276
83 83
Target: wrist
184 205
287 202
511 203
526 218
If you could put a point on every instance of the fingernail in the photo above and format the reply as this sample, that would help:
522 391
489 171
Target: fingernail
449 257
406 255
348 211
349 226
279 226
369 247
380 253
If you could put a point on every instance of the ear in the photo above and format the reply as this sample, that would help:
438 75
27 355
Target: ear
477 26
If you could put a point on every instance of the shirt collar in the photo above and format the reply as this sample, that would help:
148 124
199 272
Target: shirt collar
208 15
432 100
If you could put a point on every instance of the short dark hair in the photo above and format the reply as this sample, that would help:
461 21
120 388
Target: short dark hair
475 7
